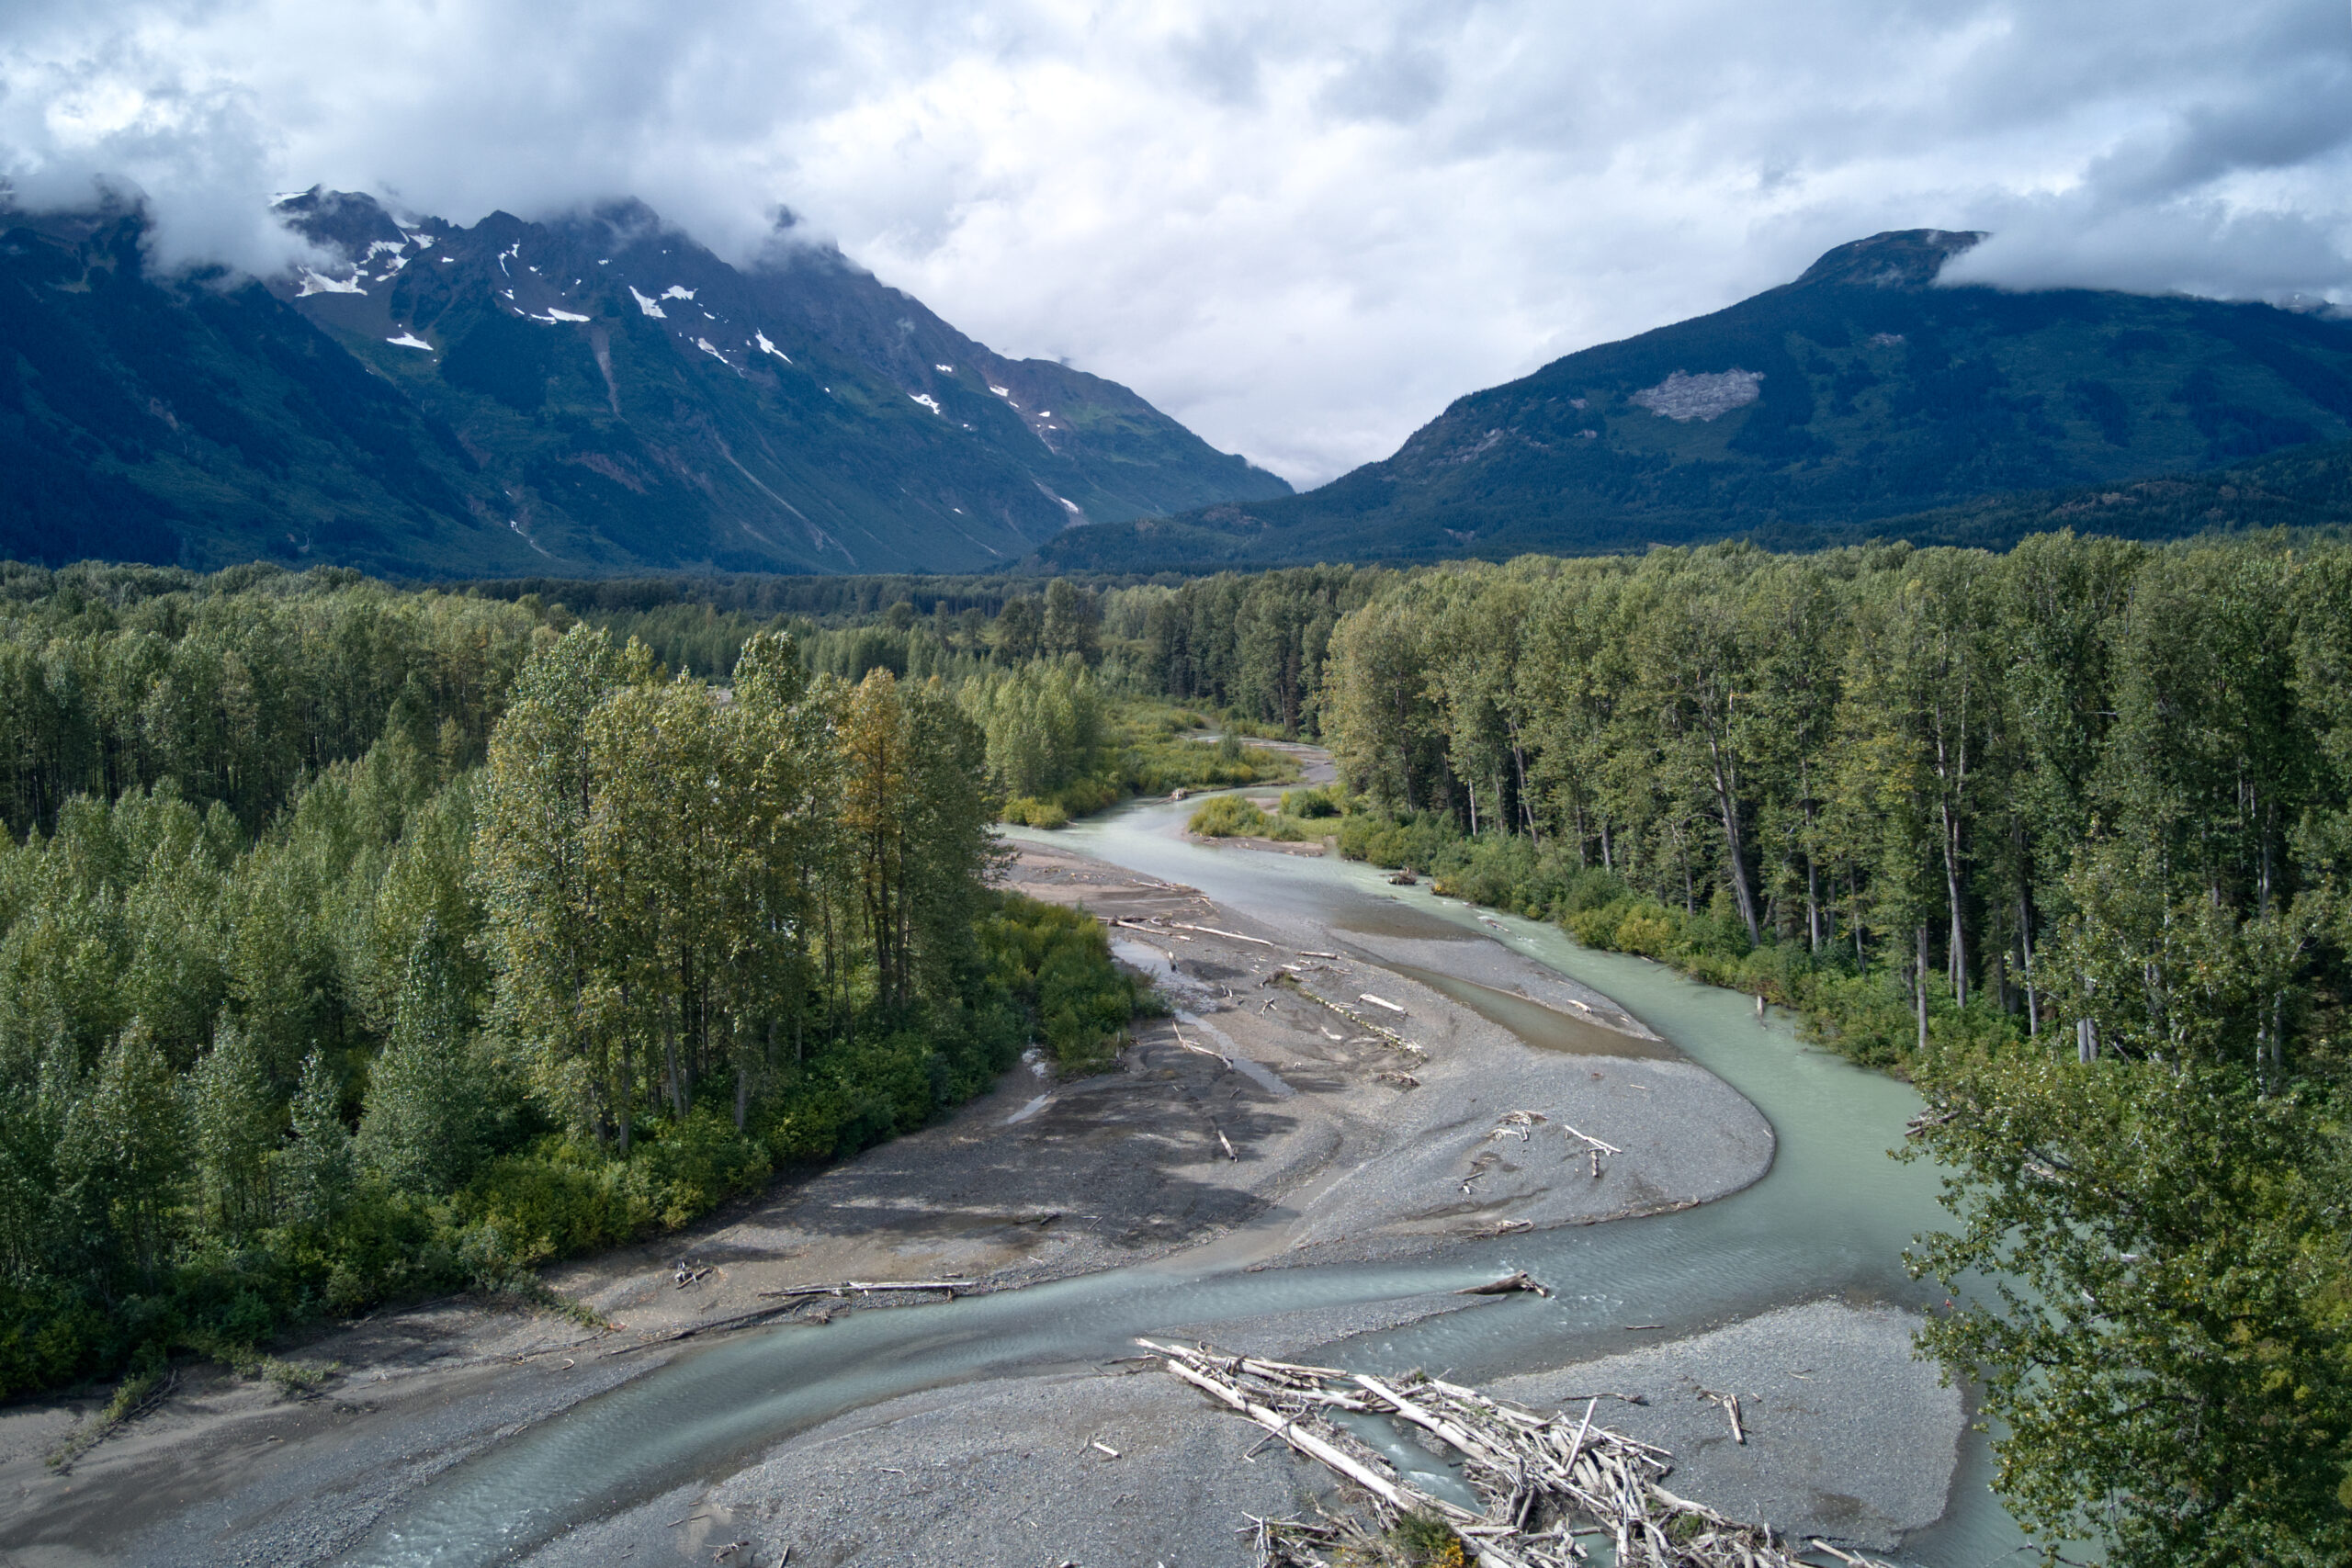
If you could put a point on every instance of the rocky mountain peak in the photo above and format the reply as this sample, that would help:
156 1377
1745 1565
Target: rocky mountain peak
1899 258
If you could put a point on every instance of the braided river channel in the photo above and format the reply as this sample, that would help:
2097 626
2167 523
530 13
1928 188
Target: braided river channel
1830 1219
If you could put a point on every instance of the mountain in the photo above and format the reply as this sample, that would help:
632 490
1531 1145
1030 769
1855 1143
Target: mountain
1861 392
586 397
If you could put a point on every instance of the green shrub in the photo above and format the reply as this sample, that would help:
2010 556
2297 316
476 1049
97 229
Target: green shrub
1325 800
1424 1541
1025 812
1058 963
1228 816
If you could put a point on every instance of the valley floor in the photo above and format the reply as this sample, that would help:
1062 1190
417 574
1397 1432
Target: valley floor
1253 1129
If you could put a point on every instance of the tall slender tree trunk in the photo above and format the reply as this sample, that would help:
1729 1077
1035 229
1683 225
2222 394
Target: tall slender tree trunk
1956 961
1526 803
670 1061
626 1097
2025 951
1728 806
1812 904
1919 988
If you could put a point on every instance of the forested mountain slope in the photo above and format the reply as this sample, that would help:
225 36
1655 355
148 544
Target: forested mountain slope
586 397
1861 392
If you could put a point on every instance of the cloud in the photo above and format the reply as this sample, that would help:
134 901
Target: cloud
1301 229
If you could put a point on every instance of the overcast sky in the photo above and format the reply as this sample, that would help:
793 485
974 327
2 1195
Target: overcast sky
1300 227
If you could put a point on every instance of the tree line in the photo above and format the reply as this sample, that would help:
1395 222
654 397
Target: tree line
318 1007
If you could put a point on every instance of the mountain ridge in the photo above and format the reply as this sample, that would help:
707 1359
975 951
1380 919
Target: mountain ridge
597 394
1860 392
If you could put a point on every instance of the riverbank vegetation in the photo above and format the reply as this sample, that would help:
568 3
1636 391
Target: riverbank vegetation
2062 834
356 944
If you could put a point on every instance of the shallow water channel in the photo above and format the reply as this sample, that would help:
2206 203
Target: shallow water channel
1831 1218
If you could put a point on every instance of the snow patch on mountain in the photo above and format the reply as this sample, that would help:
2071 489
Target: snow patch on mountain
317 283
409 340
674 292
767 347
926 400
651 306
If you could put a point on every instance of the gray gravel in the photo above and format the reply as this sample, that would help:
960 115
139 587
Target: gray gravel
1848 1436
996 1476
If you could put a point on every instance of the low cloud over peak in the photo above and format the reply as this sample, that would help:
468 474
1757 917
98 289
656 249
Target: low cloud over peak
1301 230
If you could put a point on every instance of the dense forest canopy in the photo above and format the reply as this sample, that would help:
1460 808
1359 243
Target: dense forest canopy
355 944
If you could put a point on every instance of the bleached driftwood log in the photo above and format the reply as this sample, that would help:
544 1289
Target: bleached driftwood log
1391 1036
1544 1481
868 1287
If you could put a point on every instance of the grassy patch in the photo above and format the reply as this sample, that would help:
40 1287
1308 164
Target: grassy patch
1152 748
1303 816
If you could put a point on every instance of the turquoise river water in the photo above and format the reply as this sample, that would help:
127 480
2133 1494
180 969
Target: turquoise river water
1830 1219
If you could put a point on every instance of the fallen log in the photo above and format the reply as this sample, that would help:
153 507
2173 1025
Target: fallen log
869 1286
738 1320
1218 1057
1380 1002
1590 1142
1229 936
1509 1284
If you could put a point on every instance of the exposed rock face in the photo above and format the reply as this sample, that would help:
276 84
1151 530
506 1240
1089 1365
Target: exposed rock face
1685 397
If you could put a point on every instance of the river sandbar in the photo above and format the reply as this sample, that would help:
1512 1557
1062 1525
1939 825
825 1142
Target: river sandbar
1256 1122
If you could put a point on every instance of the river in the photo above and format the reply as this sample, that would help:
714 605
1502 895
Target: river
1830 1219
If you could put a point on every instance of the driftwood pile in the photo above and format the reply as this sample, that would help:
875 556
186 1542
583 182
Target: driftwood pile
1547 1484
